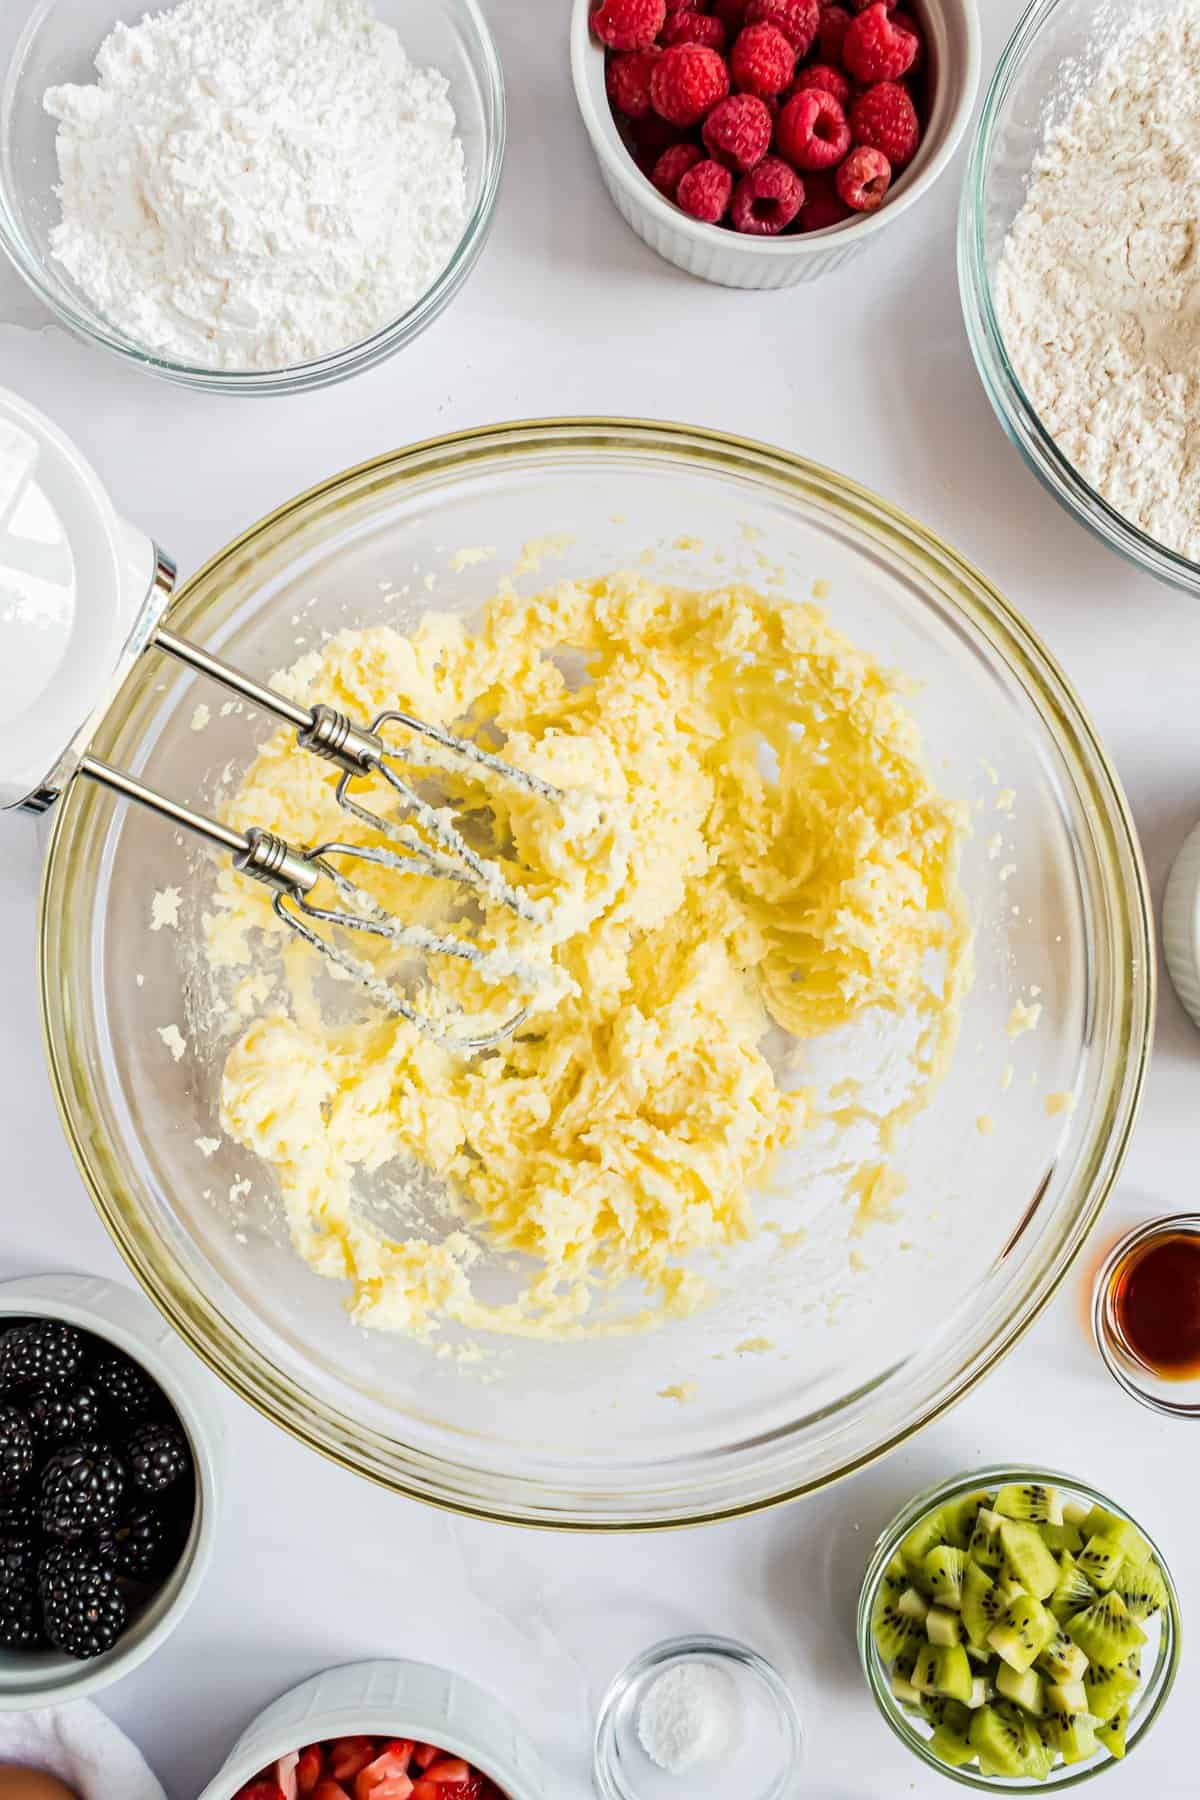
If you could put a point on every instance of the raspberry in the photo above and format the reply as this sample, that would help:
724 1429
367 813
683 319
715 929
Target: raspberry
649 137
904 21
762 60
629 24
673 165
884 118
823 205
628 81
864 179
732 14
874 50
835 22
687 82
693 28
704 192
767 199
797 19
738 132
825 77
862 5
811 131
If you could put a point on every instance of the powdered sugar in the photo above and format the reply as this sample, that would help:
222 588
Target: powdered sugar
255 183
1098 292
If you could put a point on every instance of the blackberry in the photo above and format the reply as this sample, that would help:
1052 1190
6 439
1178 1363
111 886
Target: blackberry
141 1546
82 1489
126 1390
83 1610
20 1618
158 1456
65 1418
16 1451
19 1516
45 1352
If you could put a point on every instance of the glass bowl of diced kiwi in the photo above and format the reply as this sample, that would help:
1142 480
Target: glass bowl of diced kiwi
1018 1630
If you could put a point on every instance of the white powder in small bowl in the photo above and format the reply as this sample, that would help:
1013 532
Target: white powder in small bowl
689 1716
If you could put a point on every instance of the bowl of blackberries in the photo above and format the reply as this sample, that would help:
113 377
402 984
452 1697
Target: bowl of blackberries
101 1498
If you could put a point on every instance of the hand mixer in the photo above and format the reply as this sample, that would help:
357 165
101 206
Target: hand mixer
58 528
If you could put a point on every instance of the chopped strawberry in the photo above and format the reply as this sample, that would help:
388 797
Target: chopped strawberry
451 1769
263 1787
424 1754
329 1790
349 1756
285 1774
386 1778
309 1770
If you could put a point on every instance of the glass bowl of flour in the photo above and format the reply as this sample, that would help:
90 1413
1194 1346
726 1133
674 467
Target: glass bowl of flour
248 196
1079 264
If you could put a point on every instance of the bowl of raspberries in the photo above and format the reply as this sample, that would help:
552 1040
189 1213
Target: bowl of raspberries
107 1486
759 143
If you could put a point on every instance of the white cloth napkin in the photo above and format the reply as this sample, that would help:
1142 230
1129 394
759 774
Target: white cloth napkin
83 1747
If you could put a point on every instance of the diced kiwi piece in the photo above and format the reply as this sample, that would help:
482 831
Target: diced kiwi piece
1031 1501
940 1710
894 1631
985 1548
1073 1591
1107 1691
1141 1587
997 1734
903 1689
1100 1523
1022 1632
1028 1558
1112 1735
1075 1512
1062 1537
1062 1660
1066 1698
1105 1632
942 1626
1039 1758
981 1692
913 1605
895 1578
1025 1691
960 1516
924 1537
944 1568
980 1606
1100 1560
944 1669
1073 1736
949 1747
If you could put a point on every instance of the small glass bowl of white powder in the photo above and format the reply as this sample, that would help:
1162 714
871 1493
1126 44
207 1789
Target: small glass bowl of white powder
1079 274
697 1718
248 196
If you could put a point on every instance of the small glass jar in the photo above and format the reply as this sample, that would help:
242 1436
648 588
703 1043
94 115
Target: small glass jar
1161 1656
1177 1398
760 1759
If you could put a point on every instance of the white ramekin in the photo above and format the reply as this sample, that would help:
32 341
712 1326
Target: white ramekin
1181 925
130 1323
388 1699
732 260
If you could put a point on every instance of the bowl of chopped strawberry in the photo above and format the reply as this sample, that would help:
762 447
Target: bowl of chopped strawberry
382 1731
759 143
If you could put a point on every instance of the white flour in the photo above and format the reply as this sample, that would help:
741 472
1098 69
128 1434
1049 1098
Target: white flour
255 183
1098 295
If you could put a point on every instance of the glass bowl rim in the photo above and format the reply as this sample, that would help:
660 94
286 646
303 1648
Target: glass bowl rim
1187 1223
715 1649
321 371
523 1499
1011 404
888 1542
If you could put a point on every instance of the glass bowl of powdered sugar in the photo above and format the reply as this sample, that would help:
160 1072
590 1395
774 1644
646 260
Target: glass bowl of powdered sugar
248 196
1080 267
697 1718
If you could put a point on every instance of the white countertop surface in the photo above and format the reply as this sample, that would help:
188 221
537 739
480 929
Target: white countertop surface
868 371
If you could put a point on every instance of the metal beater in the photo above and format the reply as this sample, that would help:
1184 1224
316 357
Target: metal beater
430 844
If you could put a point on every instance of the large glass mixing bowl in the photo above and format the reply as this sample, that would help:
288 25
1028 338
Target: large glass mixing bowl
822 1349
